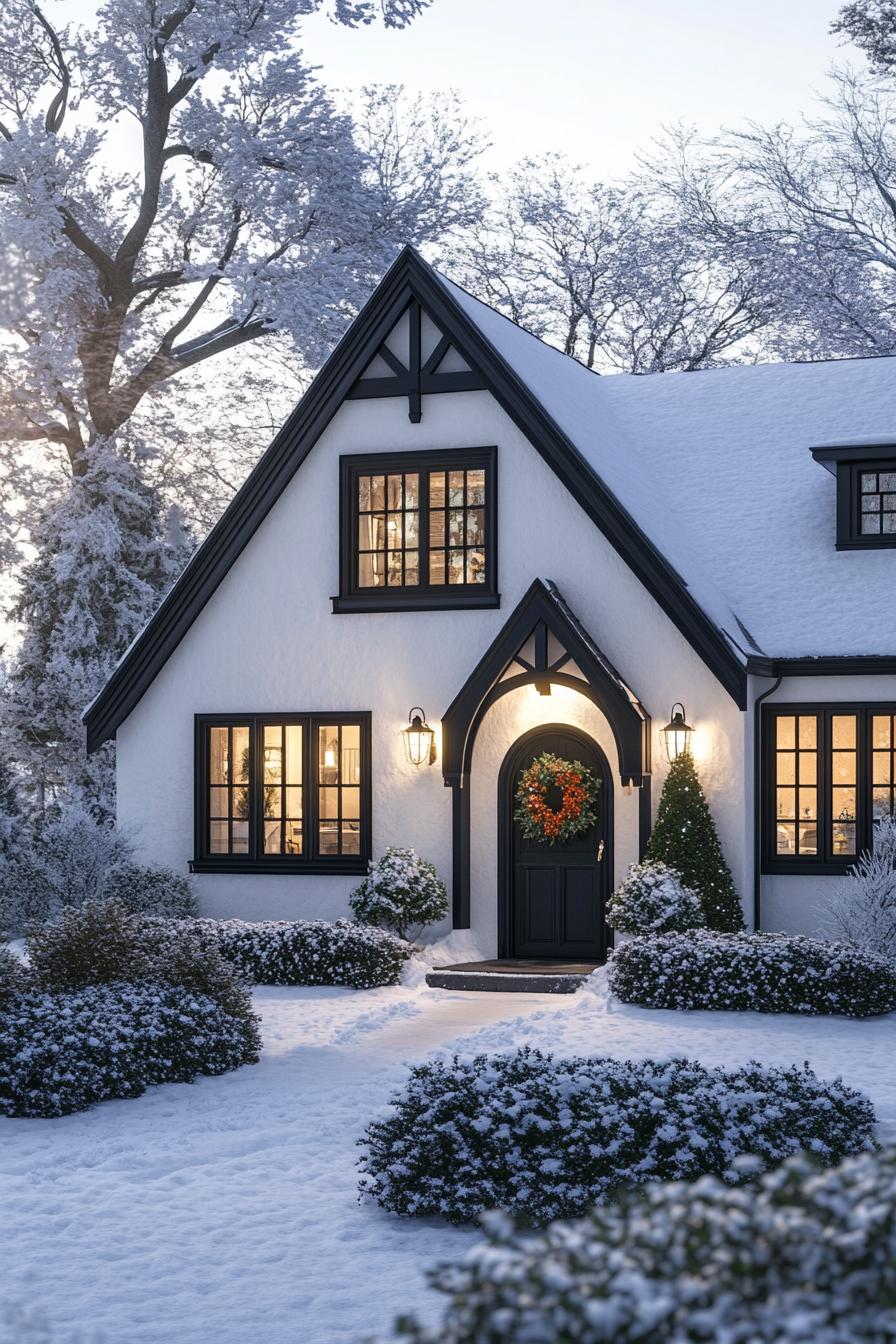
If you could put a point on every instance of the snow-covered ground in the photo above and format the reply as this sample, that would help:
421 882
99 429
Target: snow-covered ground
226 1211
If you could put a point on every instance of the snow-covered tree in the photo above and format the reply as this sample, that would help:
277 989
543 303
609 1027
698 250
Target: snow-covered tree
614 275
105 555
871 25
176 183
811 207
863 911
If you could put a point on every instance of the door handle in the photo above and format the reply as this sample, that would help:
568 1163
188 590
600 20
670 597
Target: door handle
600 852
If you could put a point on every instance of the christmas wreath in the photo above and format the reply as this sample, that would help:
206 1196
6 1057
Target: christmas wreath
577 812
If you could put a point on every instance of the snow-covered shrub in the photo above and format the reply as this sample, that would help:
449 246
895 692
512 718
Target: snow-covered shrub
802 1256
102 942
13 975
63 1052
400 892
653 899
96 943
545 1138
151 891
25 894
310 952
863 911
762 972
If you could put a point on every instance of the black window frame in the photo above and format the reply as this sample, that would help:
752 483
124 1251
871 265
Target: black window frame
823 864
256 861
422 596
848 463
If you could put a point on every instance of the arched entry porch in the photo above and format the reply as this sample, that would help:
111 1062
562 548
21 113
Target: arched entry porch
542 645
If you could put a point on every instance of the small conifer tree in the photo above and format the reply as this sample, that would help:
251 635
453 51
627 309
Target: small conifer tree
686 839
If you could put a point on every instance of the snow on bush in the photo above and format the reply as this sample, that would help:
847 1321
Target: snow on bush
102 943
74 859
400 892
802 1256
297 952
762 972
545 1138
12 975
151 891
863 911
653 899
63 1052
93 944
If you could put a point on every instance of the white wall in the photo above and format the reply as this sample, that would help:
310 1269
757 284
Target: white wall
800 904
268 641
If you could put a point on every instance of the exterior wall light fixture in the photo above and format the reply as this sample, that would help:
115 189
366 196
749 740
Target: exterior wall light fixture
419 739
677 734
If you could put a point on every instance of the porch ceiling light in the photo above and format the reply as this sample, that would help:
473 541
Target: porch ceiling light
419 739
677 734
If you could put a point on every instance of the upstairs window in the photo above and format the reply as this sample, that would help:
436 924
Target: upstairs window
828 776
288 793
418 531
866 494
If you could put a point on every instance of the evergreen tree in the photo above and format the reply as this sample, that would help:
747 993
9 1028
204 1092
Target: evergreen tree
686 839
105 555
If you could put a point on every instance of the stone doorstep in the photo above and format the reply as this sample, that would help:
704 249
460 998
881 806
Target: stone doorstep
524 978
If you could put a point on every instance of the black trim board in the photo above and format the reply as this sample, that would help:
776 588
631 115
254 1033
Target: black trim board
409 279
833 665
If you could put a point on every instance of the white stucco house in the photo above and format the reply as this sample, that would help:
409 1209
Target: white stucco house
460 521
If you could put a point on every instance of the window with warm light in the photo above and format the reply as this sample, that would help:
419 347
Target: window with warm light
828 776
287 792
418 531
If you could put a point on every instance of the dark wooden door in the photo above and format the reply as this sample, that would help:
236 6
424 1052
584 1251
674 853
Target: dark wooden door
557 893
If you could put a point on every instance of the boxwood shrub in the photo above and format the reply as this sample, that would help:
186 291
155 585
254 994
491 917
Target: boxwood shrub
62 1052
765 972
803 1255
545 1138
311 952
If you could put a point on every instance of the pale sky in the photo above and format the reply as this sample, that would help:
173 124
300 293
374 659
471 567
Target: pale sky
596 78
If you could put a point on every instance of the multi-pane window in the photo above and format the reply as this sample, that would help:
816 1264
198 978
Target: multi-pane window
457 526
829 774
339 788
877 502
283 791
418 530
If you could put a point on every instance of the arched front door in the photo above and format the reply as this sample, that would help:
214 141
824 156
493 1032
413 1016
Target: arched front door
551 906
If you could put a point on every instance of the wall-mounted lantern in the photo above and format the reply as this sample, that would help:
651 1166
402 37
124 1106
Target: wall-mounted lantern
419 739
677 734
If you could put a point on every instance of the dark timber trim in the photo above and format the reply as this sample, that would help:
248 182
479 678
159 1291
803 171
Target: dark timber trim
541 611
410 278
833 665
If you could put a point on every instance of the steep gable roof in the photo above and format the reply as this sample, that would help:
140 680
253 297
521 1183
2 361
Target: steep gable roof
520 381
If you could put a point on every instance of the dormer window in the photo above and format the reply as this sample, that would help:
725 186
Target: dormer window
418 531
866 493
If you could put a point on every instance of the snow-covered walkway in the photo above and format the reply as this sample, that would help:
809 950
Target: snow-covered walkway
226 1212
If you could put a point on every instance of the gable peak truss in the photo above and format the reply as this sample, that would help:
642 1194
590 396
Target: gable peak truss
415 359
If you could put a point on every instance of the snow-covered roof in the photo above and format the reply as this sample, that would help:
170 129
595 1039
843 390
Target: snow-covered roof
715 467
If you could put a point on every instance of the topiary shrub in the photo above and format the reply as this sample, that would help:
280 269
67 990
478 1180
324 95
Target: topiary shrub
545 1138
803 1256
311 952
63 1052
97 943
151 891
762 972
685 837
400 892
653 899
863 910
